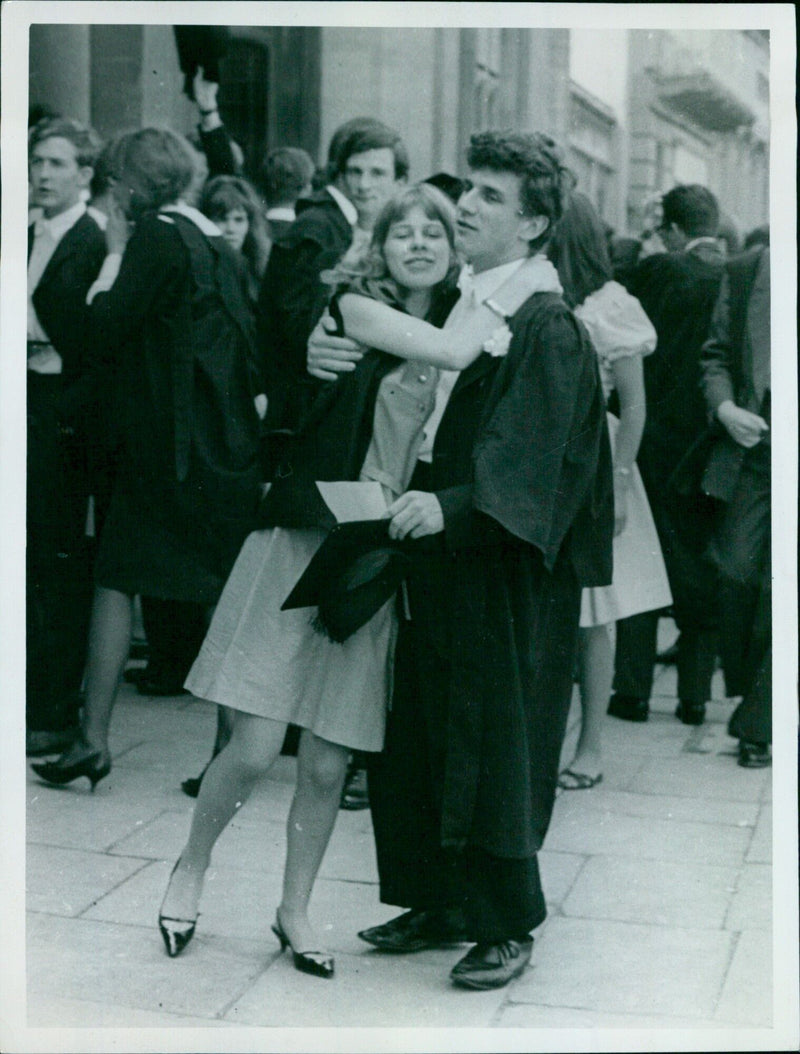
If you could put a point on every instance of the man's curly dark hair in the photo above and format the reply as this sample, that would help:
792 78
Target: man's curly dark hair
545 181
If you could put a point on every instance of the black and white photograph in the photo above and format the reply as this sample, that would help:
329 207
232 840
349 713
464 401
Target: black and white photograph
391 600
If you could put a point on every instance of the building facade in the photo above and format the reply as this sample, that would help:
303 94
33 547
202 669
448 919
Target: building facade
637 111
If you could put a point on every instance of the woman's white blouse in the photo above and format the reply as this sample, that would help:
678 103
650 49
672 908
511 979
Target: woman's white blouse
618 326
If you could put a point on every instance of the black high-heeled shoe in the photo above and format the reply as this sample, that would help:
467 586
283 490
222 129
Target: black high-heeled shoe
58 773
318 964
176 933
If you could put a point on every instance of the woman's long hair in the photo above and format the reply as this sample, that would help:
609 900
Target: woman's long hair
369 274
579 250
224 193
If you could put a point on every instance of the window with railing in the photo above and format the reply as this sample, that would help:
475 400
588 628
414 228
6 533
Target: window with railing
592 143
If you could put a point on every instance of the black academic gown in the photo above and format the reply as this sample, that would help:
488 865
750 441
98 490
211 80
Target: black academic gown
521 466
177 327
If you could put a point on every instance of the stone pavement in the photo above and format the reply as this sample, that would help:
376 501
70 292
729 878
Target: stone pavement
658 882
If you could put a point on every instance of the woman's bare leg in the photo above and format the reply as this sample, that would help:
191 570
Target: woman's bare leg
109 645
596 672
227 784
321 769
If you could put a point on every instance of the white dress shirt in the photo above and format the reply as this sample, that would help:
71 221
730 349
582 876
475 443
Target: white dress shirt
281 212
474 290
344 203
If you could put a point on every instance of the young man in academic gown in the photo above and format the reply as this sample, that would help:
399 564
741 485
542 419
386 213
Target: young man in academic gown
512 498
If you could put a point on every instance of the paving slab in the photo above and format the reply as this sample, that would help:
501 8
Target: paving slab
751 904
235 903
658 893
703 777
610 802
53 1012
618 967
126 966
260 848
558 872
747 995
525 1015
658 806
183 758
241 903
351 852
367 991
657 737
760 851
64 816
68 881
644 837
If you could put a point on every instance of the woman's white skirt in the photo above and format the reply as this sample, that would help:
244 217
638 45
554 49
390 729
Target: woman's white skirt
640 580
275 664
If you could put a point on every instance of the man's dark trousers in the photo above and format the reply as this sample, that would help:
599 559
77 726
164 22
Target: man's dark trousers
685 525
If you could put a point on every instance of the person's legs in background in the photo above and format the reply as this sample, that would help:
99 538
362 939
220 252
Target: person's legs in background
634 666
595 674
59 561
175 630
685 525
741 549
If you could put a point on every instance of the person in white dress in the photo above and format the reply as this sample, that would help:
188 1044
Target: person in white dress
622 335
273 667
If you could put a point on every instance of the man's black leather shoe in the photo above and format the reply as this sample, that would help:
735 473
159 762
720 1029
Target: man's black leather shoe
492 965
629 708
416 930
754 755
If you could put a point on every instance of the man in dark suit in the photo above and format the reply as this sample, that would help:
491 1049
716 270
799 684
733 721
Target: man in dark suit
678 290
736 384
65 251
512 501
366 161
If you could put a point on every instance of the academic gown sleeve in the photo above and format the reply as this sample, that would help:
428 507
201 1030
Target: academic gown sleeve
152 273
542 454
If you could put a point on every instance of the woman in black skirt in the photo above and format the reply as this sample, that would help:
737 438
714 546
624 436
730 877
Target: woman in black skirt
170 312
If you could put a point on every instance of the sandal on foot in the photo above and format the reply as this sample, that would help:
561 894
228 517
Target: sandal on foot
570 780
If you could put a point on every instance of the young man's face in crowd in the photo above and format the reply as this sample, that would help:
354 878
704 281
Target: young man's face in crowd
369 181
57 179
490 227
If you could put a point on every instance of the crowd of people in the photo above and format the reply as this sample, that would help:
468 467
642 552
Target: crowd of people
390 466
